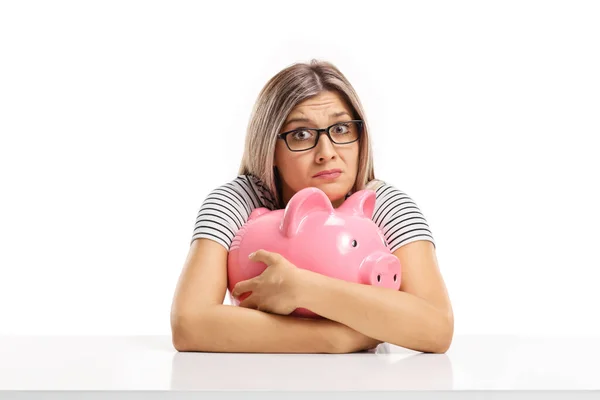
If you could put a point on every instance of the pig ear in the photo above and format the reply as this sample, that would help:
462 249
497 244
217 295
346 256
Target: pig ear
361 203
300 206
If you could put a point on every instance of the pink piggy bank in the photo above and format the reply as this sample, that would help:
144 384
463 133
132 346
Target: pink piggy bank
342 243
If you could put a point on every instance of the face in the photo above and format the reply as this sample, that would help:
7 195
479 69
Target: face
297 169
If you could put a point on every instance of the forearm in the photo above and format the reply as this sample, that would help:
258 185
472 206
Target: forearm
388 315
225 328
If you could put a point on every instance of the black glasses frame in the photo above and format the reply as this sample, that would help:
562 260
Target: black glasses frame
360 124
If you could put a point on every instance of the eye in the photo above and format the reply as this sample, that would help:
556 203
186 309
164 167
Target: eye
354 243
340 129
301 134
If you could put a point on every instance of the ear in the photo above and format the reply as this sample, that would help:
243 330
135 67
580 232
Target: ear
361 203
304 202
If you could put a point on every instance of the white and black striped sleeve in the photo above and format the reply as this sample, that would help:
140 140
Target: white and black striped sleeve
399 218
225 210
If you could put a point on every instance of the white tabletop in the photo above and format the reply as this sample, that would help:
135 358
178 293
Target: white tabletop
151 363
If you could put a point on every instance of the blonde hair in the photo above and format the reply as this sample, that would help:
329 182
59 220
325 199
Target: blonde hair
276 100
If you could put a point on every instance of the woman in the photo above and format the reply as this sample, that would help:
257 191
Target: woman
283 154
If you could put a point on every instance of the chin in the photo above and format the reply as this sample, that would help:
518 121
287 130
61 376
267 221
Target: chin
334 193
334 190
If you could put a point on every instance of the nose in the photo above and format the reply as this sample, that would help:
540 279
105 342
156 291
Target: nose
381 269
324 148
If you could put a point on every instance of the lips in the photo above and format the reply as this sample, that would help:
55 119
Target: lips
329 171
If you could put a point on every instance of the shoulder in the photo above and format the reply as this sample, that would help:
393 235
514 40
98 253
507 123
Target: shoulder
383 189
239 183
227 207
245 191
398 215
374 184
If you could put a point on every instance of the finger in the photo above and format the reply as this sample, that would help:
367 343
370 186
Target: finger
243 287
249 302
267 257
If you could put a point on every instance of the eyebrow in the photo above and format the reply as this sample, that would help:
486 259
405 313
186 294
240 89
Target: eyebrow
334 115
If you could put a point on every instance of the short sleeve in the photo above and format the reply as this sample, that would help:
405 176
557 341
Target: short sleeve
399 218
225 210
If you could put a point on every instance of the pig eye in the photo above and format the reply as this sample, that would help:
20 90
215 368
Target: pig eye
354 243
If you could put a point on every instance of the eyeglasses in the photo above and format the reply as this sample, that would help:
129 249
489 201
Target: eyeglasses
303 139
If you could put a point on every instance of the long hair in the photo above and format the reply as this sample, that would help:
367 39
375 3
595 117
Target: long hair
276 100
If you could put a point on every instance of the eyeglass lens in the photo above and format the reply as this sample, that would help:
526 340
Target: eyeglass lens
305 138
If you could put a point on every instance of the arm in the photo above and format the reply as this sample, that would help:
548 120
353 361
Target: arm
200 322
419 316
223 328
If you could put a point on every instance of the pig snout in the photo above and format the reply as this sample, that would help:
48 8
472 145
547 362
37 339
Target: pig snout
381 269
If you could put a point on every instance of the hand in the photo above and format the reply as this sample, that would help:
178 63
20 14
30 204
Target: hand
359 342
343 339
276 289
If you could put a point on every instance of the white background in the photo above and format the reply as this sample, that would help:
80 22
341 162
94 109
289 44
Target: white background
118 117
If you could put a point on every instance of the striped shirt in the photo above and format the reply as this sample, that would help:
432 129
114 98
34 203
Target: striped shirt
227 208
